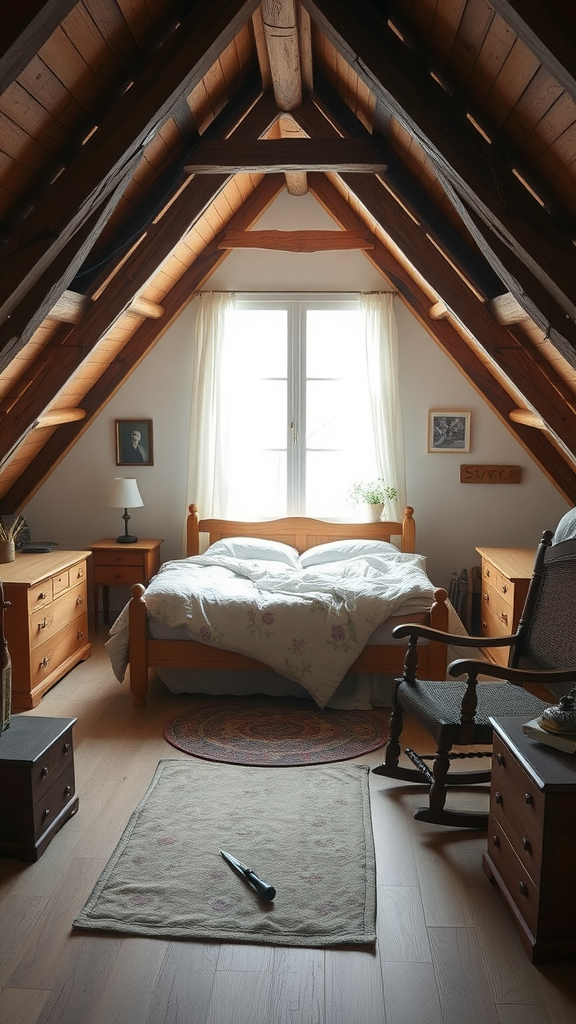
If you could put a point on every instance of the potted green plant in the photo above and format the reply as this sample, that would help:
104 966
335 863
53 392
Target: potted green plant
374 495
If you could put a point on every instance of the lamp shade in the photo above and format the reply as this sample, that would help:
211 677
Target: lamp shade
124 494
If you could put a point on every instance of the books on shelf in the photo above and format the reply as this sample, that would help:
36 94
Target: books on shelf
551 739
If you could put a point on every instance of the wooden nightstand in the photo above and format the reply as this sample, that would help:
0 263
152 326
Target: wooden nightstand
121 565
37 789
506 575
532 839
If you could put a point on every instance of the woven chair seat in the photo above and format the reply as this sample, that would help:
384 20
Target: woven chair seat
438 705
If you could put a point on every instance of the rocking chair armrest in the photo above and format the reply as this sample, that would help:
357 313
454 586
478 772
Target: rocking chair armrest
514 675
427 633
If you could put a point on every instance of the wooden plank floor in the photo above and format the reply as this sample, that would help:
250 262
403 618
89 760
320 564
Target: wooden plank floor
447 951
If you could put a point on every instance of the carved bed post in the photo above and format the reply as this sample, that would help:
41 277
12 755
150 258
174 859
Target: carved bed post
137 625
409 531
192 532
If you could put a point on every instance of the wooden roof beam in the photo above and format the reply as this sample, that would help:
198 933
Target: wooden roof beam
137 347
276 156
538 444
280 23
185 57
549 31
463 159
297 241
72 307
25 29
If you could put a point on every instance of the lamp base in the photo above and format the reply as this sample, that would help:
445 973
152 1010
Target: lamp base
126 539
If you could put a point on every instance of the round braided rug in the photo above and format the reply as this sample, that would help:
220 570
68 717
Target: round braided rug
275 732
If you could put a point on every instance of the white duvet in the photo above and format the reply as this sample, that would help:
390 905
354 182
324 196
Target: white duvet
308 624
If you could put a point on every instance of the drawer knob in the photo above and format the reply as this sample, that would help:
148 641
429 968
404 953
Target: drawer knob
42 596
45 813
504 589
501 759
68 792
80 600
484 626
523 888
44 773
80 575
498 797
487 572
528 798
42 625
118 576
65 748
44 663
486 597
504 618
526 844
495 841
79 634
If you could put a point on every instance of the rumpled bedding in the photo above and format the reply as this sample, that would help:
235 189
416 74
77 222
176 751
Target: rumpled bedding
308 624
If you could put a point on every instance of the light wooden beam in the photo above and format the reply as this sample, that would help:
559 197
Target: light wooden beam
54 417
297 241
276 156
527 418
507 310
439 311
72 307
281 35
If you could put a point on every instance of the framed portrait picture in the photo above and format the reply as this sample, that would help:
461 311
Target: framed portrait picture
134 443
448 431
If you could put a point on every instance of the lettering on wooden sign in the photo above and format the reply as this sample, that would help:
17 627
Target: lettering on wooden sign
490 474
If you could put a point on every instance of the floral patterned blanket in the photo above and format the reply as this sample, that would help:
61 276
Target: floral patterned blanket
307 624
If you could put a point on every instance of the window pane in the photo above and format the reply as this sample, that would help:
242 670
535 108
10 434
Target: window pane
332 336
326 415
258 485
259 343
328 481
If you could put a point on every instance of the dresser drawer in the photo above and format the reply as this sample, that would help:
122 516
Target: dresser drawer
492 577
497 613
520 886
44 622
40 595
48 656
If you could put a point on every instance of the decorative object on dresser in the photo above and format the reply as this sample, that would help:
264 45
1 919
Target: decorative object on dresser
46 622
37 787
531 847
460 713
506 574
121 567
9 534
125 494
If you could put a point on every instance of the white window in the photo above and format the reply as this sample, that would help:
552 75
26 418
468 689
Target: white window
297 414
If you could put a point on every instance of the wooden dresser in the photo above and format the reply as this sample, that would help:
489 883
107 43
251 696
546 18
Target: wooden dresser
37 788
46 624
531 849
506 575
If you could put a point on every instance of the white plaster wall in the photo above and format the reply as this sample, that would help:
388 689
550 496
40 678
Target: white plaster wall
451 518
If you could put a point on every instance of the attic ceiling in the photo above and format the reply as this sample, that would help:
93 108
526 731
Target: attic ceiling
141 140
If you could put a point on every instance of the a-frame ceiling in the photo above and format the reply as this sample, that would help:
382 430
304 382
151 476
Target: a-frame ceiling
141 140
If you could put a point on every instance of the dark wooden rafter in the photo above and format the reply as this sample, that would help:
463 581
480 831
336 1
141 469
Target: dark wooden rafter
137 347
49 288
459 155
526 374
134 120
119 293
536 442
463 254
549 30
297 241
25 28
281 155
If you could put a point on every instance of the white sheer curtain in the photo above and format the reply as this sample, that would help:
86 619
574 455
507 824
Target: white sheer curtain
381 342
207 452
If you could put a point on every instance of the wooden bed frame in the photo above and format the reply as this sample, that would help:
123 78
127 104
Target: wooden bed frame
301 533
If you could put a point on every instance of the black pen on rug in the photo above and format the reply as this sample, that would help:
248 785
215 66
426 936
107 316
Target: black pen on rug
265 891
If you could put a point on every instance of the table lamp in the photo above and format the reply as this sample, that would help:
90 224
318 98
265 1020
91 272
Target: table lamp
125 494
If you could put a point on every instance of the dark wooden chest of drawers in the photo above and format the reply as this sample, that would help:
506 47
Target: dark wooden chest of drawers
531 849
37 787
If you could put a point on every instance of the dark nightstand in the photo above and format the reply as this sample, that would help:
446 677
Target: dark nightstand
121 565
37 788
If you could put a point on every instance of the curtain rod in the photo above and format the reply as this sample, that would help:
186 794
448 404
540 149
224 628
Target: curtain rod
299 291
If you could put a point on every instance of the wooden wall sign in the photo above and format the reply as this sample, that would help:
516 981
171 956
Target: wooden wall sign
490 474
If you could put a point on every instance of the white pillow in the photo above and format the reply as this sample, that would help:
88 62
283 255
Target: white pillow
337 550
254 547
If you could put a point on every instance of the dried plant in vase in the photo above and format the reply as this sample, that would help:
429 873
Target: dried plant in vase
8 538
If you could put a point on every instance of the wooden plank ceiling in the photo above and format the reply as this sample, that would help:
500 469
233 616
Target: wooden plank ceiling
140 141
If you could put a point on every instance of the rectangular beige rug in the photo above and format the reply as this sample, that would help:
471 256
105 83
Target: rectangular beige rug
307 831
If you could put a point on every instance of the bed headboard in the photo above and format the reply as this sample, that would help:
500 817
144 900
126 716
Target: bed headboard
302 533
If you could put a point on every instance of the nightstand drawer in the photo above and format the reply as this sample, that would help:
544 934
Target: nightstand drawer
53 801
118 575
519 885
124 556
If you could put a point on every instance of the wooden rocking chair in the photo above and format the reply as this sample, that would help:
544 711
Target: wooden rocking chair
542 651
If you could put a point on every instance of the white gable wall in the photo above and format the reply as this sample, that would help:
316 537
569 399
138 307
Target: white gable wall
451 518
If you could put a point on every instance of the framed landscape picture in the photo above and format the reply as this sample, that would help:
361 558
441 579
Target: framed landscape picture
134 443
448 431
